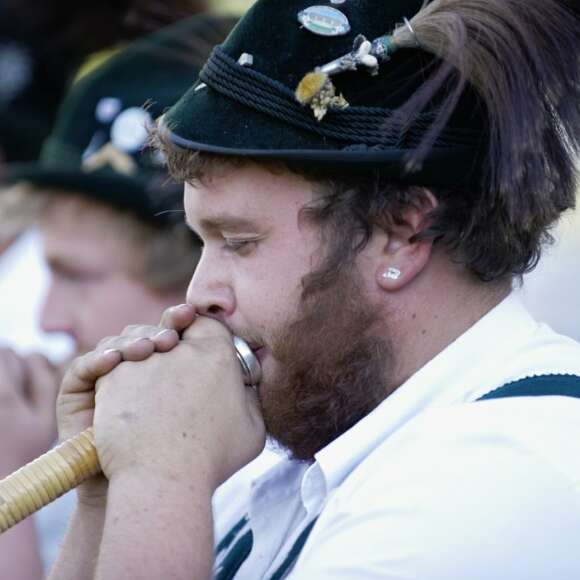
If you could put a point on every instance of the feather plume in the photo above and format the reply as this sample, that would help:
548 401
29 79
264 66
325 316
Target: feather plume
523 59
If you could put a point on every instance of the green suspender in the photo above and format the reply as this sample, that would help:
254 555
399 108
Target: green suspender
540 386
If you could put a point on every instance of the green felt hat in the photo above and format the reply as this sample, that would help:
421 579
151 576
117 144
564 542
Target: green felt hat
245 102
97 145
480 95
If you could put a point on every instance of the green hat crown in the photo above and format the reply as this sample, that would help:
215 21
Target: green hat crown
97 147
253 110
478 93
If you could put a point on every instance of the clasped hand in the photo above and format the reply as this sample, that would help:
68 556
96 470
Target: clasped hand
166 401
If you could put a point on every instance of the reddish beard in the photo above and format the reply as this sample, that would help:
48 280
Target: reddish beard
332 370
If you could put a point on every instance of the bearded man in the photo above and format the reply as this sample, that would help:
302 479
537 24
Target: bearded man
365 204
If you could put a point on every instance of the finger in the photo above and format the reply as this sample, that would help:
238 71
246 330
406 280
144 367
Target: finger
162 339
178 317
165 340
131 349
12 373
132 331
43 383
137 349
86 369
206 327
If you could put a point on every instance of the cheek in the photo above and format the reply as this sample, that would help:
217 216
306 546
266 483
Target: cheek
112 305
266 299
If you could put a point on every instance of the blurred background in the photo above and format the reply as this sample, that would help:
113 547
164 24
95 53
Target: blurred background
44 48
75 73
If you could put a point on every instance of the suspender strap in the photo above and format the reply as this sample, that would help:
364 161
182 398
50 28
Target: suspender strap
293 553
237 554
540 386
242 548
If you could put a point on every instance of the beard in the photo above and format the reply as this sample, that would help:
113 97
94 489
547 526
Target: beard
331 372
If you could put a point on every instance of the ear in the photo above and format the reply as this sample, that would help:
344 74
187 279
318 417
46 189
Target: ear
404 258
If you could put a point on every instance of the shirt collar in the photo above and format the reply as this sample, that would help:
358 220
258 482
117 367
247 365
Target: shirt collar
451 377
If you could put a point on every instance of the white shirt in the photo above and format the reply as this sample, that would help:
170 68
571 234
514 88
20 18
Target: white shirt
432 485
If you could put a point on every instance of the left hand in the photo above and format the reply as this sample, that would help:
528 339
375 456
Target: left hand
180 414
28 388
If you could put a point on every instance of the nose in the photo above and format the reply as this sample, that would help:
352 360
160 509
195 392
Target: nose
57 311
210 290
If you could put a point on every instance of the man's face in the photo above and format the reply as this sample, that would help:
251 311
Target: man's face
93 293
257 250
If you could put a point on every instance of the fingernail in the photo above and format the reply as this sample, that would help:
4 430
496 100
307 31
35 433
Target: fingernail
141 339
110 350
164 332
183 307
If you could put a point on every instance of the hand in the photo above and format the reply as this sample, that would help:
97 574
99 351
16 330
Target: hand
28 389
76 400
181 414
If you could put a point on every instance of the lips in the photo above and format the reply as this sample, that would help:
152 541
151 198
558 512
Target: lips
259 352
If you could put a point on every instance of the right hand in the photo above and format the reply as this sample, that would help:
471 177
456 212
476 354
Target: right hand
76 399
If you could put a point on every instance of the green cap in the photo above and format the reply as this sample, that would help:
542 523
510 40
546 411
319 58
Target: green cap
97 145
245 102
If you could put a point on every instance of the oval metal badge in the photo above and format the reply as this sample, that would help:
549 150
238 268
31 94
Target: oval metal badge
324 21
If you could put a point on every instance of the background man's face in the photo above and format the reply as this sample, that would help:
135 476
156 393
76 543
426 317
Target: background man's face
92 292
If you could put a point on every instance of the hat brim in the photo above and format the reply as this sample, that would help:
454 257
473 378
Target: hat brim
205 120
108 187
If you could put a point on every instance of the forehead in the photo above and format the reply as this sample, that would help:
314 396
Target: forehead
249 192
78 229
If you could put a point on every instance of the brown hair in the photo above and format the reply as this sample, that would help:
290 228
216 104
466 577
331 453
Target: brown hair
492 241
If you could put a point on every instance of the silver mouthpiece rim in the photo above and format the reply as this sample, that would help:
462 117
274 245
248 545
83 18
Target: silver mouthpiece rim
250 364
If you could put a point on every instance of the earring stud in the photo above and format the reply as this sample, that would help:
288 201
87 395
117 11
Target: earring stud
392 274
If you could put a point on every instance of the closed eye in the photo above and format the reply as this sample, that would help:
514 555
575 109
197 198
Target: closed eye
239 245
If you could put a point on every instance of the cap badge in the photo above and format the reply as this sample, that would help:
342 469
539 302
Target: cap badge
317 90
111 156
324 21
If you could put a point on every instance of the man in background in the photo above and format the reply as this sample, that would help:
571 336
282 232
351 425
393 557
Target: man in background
113 235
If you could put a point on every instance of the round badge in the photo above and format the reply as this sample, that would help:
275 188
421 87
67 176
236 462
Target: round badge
107 109
324 21
129 131
16 70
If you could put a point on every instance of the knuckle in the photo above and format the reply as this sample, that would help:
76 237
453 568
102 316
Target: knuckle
75 366
131 328
104 341
80 366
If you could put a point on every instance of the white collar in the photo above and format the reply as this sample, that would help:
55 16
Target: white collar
499 348
453 376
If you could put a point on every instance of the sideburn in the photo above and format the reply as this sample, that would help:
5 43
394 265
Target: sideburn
334 363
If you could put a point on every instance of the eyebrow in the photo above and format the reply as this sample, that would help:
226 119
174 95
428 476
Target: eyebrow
228 223
61 265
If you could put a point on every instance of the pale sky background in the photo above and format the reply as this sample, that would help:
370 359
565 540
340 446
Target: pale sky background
552 290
